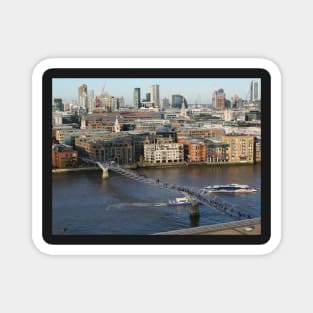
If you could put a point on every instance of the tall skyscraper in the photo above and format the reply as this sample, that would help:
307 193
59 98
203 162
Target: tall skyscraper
183 112
155 95
136 98
121 101
254 91
177 101
91 100
111 103
219 99
82 96
165 103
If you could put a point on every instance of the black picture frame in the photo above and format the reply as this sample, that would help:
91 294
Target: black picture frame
66 239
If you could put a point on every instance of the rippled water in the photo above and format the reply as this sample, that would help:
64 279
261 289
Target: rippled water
84 203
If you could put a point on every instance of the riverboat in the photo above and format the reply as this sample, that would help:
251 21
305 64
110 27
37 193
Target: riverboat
230 188
179 201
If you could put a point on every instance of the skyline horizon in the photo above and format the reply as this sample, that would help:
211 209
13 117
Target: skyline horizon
195 90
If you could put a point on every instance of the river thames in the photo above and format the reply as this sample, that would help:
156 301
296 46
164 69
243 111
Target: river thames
83 203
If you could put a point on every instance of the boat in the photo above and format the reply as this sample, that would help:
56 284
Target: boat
179 201
230 188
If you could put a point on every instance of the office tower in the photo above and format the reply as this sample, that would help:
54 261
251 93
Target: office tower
177 101
57 104
82 96
115 103
121 102
91 100
83 122
155 95
235 102
165 103
148 97
183 112
136 98
219 99
111 103
254 96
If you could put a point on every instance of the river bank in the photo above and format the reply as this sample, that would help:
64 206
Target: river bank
74 169
193 164
157 166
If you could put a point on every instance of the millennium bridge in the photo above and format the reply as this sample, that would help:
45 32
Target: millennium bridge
195 195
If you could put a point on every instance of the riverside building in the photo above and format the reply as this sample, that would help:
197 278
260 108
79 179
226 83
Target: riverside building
64 156
241 148
119 150
194 149
125 148
163 151
216 151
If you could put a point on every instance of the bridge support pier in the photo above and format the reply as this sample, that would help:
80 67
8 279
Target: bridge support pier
105 173
194 209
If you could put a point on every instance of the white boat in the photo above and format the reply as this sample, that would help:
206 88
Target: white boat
179 201
230 188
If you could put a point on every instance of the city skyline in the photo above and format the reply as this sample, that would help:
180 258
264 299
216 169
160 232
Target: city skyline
195 90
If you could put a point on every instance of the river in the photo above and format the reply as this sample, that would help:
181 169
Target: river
83 203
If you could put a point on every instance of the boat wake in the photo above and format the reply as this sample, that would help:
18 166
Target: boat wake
133 204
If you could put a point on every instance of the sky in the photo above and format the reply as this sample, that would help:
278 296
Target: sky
195 90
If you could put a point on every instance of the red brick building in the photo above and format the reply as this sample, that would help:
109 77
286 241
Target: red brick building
194 149
63 156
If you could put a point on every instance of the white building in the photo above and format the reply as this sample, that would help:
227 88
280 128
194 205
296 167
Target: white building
254 95
149 124
155 95
227 115
183 112
169 152
56 118
117 127
165 103
91 100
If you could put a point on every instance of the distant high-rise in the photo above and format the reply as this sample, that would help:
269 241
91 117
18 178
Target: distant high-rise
57 104
219 99
155 95
177 101
91 100
121 102
254 95
183 112
82 96
235 102
136 98
165 103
